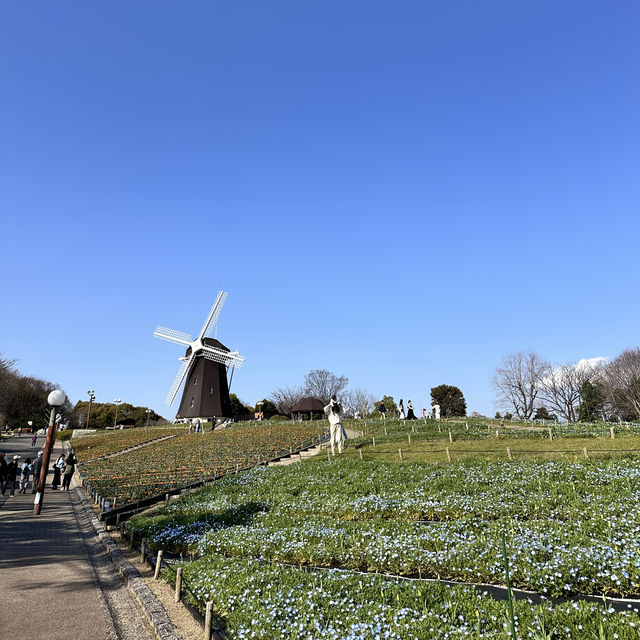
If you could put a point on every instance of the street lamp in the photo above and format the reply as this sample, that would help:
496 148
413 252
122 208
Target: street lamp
147 411
56 399
117 402
92 397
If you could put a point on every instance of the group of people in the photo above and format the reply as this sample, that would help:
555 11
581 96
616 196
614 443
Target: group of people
15 475
400 413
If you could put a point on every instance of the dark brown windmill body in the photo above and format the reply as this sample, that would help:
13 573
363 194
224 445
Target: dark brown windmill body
206 390
203 370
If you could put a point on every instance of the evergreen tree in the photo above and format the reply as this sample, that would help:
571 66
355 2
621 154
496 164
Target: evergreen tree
591 402
450 399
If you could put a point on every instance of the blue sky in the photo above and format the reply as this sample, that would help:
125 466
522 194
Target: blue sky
401 193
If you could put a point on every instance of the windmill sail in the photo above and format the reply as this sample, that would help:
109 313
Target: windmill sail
180 376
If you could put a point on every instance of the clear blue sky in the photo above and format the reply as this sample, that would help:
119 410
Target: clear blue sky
399 192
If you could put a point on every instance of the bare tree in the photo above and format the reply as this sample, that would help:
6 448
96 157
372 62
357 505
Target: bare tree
517 382
285 398
620 381
560 387
323 384
360 400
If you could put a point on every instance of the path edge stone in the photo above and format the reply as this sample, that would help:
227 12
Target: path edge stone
153 609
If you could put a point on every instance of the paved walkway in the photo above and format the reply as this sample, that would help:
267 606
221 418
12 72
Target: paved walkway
50 584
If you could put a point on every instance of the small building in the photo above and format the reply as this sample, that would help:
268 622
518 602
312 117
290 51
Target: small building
307 405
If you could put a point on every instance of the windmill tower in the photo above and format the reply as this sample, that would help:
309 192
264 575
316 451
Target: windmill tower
204 366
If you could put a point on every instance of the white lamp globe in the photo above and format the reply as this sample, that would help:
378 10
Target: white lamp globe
56 398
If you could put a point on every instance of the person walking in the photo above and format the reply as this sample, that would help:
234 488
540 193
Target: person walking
401 410
12 474
410 414
58 468
334 412
383 411
25 471
69 468
34 440
37 467
3 473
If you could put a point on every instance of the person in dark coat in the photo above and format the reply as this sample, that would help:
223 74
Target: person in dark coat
410 414
3 473
37 466
58 468
12 474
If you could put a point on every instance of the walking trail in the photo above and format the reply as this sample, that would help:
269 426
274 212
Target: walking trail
56 581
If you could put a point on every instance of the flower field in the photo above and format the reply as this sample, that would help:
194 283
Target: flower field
100 444
571 528
188 458
266 601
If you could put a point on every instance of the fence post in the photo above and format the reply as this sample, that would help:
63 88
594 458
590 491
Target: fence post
409 435
207 621
374 441
448 455
400 452
142 550
450 436
178 593
584 450
360 451
550 434
509 453
156 573
131 534
613 433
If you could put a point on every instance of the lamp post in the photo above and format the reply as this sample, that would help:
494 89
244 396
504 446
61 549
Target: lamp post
117 402
56 399
92 397
147 411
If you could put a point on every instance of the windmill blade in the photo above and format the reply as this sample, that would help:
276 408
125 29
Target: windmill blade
173 336
229 358
182 372
212 318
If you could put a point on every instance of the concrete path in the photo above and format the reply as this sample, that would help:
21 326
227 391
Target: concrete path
53 583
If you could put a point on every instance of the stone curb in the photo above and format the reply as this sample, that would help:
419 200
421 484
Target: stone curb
156 614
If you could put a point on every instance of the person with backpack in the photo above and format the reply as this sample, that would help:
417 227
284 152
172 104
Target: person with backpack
25 471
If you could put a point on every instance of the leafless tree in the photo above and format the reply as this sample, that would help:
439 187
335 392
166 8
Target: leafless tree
323 384
517 382
620 381
560 387
360 400
285 398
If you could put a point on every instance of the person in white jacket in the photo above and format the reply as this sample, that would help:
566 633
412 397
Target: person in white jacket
334 413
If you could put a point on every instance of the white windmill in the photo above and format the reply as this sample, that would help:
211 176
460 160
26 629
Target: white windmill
204 366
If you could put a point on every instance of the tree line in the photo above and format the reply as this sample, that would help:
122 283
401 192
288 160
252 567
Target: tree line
585 391
23 399
323 384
